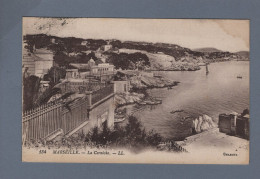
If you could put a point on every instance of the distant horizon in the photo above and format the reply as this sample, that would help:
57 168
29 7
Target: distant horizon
224 35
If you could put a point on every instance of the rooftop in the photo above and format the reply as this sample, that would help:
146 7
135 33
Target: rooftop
72 70
42 51
37 58
81 66
128 72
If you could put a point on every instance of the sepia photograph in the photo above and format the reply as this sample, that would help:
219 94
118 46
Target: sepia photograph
122 90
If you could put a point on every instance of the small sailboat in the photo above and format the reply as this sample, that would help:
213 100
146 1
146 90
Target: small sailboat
239 76
150 102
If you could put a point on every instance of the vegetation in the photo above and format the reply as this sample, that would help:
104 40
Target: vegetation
54 75
63 46
169 49
63 60
31 87
245 111
132 136
129 61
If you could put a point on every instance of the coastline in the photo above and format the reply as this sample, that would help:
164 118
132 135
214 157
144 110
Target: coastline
138 87
213 113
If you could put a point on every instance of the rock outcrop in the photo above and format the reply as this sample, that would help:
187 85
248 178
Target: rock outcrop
127 98
203 123
143 82
183 66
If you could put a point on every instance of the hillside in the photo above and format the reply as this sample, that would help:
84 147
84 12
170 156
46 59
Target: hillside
128 54
156 60
161 61
243 54
206 50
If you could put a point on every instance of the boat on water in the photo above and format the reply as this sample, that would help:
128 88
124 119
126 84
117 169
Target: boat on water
150 102
141 103
154 102
179 110
117 120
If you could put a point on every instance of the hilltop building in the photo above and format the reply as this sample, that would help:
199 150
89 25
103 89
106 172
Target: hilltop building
53 40
107 47
84 43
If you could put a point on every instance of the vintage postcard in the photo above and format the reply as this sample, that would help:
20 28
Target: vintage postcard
110 90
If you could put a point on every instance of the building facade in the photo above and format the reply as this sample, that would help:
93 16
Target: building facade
121 86
84 43
101 69
72 73
224 123
242 128
107 47
234 124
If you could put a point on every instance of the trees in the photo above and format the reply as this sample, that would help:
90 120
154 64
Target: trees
61 59
132 135
127 61
54 75
31 87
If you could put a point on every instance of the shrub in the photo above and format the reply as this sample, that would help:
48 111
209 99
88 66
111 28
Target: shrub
132 135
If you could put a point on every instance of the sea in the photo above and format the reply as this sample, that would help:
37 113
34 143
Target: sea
198 93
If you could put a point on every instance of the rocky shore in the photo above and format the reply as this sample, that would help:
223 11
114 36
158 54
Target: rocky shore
180 66
145 82
128 98
138 86
202 123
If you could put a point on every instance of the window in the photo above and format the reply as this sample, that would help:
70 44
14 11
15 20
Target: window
125 87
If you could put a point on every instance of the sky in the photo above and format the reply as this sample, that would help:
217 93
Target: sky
226 35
